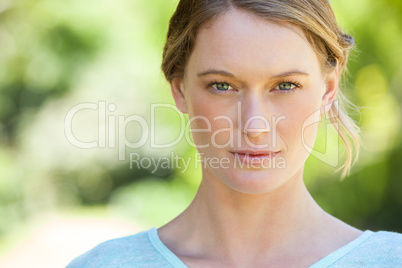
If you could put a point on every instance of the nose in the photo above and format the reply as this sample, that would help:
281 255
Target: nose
254 116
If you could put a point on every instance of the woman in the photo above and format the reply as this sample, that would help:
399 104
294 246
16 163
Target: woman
255 77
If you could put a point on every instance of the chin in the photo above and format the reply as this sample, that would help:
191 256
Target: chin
254 181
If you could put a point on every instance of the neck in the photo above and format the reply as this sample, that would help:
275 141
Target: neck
229 222
228 227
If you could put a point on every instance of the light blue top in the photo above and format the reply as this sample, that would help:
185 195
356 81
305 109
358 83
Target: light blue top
145 249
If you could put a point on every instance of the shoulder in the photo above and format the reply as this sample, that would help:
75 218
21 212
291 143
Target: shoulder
130 251
386 243
379 249
385 236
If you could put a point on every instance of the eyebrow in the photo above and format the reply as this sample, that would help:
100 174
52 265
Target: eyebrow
228 74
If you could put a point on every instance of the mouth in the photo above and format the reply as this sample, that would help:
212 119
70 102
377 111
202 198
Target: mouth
255 158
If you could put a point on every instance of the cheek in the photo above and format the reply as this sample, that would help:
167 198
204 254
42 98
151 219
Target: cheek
213 117
299 129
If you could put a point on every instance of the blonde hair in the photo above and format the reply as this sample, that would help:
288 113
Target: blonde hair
314 17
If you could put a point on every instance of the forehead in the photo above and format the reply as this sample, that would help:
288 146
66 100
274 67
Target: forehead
238 40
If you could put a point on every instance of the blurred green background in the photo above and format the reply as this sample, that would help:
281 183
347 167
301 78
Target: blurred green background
57 54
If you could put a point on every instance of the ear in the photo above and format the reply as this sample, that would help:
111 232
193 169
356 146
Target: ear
177 88
331 83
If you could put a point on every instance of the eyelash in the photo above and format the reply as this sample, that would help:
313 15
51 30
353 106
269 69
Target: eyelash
210 86
294 83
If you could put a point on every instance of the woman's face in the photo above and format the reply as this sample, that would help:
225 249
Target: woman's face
251 89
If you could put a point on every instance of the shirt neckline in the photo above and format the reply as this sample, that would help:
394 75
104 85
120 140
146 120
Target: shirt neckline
324 262
339 253
163 250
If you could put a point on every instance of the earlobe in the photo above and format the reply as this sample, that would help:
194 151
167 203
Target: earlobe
177 88
331 83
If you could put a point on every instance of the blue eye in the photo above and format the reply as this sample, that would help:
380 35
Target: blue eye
221 86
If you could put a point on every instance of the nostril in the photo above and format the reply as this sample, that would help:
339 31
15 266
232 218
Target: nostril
256 132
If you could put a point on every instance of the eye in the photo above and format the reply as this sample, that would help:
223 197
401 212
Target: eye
287 86
221 86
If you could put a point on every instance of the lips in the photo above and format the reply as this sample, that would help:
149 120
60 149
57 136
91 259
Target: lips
254 158
254 152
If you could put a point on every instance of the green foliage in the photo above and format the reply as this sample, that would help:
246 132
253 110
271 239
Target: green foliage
56 54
